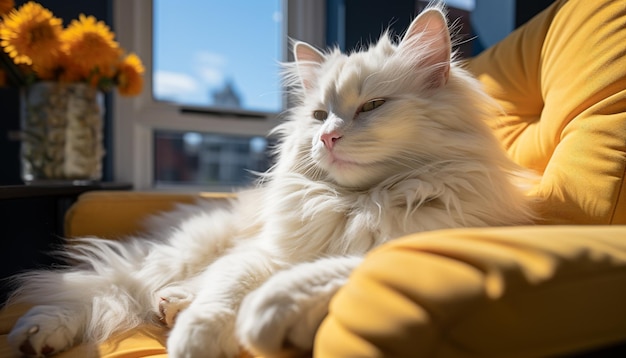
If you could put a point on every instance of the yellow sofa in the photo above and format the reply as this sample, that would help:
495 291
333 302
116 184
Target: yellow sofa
552 289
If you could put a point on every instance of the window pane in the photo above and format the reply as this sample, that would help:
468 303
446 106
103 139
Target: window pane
208 159
221 54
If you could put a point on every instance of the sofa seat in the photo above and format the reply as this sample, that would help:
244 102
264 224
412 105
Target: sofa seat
479 292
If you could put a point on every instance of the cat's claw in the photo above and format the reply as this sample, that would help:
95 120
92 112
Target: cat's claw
170 302
43 331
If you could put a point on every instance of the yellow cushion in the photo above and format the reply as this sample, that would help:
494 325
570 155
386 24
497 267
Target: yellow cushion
497 292
561 79
117 214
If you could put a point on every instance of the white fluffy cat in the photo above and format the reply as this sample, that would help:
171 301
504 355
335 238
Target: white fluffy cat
381 143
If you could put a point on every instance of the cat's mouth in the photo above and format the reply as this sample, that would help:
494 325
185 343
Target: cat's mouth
341 162
346 169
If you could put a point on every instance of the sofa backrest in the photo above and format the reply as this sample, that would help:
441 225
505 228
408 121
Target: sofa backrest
562 86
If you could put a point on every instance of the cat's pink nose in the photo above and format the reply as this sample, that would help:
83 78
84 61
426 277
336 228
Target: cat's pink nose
329 139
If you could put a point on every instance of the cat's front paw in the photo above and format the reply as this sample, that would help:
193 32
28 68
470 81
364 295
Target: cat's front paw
170 301
203 332
44 331
275 321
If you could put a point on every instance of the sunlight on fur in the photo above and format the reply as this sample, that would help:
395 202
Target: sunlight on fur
380 143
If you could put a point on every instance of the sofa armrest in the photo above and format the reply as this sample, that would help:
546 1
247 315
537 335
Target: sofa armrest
492 292
115 214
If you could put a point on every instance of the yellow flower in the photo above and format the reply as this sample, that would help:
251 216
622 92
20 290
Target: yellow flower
61 72
91 47
31 35
6 6
129 76
85 51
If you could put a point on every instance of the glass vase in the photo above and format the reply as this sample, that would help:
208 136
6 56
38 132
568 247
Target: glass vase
61 125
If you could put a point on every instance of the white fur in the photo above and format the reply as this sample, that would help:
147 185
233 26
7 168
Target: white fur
423 160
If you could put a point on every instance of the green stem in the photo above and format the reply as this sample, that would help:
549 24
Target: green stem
15 76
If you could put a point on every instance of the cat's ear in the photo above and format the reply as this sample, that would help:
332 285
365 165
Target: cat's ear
427 44
308 60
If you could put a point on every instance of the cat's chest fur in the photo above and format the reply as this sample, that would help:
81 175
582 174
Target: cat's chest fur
313 219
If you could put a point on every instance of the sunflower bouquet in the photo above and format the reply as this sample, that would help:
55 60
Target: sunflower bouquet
36 47
63 72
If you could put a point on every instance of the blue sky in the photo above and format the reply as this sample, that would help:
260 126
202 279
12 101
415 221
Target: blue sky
462 4
201 44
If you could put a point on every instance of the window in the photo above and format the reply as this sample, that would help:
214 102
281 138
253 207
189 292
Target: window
211 53
200 119
208 71
206 159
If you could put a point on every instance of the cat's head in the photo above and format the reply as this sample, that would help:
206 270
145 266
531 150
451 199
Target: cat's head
369 115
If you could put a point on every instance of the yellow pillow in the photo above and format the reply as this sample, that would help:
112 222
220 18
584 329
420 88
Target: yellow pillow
537 291
561 80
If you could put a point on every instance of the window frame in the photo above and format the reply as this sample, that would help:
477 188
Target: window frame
135 119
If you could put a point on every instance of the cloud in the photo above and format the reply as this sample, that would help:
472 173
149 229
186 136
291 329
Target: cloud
210 58
211 76
210 67
277 17
172 85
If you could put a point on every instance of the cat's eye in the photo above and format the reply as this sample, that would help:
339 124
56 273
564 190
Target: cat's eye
320 115
371 105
